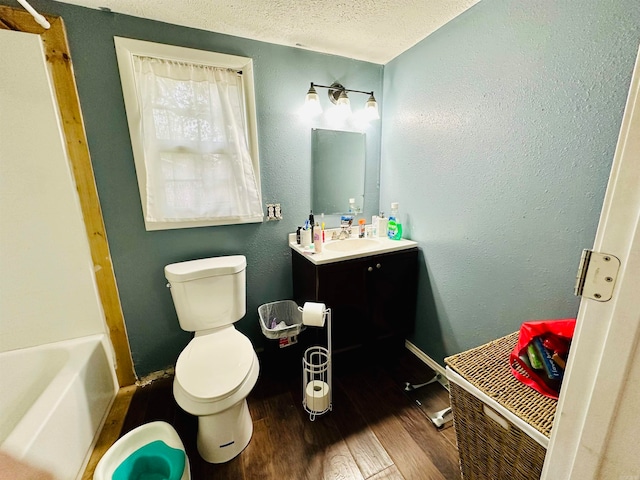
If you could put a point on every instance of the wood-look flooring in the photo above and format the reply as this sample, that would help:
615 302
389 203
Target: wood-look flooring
375 431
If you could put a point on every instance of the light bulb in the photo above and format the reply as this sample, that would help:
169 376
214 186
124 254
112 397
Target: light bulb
312 102
371 109
343 104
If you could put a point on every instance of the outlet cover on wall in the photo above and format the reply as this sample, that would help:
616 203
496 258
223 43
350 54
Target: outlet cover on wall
273 212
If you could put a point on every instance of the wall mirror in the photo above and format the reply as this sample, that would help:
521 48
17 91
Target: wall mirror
337 170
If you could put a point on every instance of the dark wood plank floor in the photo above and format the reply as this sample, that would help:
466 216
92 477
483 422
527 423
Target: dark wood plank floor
375 431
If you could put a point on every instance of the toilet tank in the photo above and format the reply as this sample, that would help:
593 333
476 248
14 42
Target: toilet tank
208 293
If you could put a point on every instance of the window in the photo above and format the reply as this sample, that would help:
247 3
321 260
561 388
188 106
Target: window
192 121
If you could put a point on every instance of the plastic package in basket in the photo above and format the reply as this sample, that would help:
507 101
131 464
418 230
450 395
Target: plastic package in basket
280 319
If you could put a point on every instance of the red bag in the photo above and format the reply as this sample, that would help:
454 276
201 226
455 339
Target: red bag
552 334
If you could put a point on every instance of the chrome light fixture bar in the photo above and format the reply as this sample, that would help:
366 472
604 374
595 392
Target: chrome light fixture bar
338 96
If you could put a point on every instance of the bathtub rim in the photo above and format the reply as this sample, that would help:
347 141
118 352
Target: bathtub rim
20 441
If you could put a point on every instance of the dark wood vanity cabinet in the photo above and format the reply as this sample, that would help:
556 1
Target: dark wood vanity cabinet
372 299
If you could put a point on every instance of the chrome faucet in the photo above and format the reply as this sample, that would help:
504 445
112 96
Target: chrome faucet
345 232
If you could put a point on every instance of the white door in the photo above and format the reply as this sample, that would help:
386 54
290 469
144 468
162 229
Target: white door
596 434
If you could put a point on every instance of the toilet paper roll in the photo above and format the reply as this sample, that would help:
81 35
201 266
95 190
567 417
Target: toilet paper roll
317 396
313 314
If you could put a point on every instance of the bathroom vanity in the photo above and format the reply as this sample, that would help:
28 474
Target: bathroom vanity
371 288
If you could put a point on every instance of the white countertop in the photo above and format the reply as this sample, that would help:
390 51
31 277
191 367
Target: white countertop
382 245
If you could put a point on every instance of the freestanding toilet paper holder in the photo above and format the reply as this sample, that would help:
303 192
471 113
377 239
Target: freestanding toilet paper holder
316 370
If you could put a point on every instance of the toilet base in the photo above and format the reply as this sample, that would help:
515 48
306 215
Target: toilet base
224 435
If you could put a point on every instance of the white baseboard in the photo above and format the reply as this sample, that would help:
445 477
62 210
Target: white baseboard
430 362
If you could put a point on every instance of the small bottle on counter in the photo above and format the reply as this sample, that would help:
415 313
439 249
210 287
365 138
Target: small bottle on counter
312 222
382 225
317 239
306 240
361 225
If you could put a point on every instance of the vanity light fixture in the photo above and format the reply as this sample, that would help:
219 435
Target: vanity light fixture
338 96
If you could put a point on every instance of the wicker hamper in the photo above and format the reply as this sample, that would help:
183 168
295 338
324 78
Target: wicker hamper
502 426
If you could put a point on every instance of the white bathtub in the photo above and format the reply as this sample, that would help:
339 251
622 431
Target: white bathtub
53 401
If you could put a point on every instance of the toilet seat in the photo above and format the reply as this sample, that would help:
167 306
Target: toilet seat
214 366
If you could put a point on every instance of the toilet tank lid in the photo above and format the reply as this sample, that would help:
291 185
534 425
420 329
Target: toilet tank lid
205 267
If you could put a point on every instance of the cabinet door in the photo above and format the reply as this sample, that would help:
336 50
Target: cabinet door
304 279
392 289
342 287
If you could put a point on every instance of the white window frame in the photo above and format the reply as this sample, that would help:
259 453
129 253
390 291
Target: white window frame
126 48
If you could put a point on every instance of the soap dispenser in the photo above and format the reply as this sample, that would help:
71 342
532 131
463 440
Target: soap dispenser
382 225
394 227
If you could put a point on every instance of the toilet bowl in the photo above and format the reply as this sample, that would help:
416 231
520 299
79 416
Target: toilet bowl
213 376
151 451
219 367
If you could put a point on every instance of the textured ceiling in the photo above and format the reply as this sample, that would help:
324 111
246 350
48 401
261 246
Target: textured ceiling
371 30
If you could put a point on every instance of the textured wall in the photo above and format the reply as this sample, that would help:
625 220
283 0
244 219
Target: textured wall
282 77
499 130
498 136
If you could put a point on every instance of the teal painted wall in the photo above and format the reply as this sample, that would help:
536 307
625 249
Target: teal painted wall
282 77
498 135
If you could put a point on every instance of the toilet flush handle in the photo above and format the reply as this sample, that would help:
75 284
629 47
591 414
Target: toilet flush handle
168 285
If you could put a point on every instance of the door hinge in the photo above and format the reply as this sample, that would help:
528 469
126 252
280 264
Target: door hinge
597 275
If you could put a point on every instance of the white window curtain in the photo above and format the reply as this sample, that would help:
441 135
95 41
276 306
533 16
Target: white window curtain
198 164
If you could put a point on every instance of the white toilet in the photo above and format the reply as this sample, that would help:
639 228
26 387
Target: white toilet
219 367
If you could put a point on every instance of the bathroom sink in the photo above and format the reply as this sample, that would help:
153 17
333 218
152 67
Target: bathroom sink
348 249
351 244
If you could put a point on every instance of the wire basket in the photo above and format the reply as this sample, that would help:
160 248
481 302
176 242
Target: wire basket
280 319
316 381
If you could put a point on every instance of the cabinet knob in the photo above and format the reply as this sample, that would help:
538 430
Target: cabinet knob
378 265
370 269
